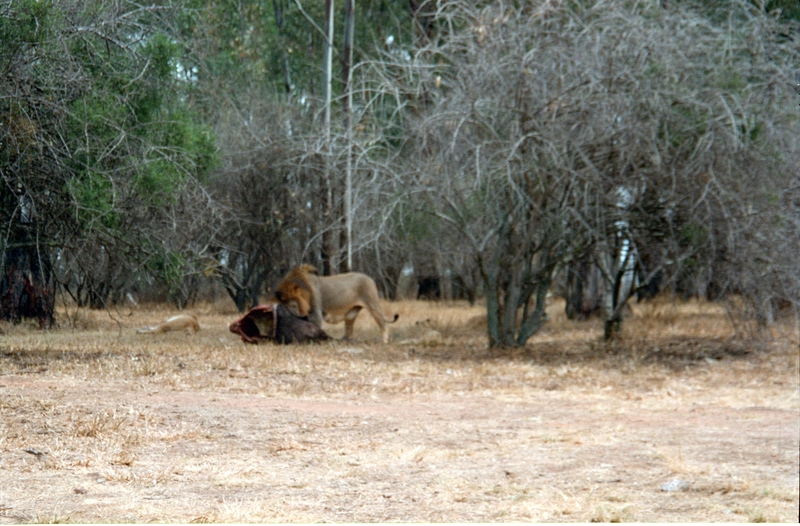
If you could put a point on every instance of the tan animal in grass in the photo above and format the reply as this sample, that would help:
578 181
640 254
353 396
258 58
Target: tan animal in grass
181 322
332 298
427 335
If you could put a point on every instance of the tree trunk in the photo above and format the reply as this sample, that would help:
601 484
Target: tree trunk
583 293
493 310
244 293
26 288
279 8
575 278
621 289
612 328
347 72
330 240
532 322
244 298
98 294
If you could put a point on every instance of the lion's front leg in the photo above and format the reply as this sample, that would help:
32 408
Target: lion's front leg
315 316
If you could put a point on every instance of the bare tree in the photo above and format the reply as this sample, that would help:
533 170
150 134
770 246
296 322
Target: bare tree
267 196
541 132
694 111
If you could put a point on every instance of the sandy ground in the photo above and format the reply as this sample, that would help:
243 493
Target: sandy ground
99 424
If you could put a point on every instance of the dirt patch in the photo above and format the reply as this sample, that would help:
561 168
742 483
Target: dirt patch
103 425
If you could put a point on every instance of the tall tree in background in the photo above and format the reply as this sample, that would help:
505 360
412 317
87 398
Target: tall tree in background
99 150
262 41
544 131
347 74
330 234
26 281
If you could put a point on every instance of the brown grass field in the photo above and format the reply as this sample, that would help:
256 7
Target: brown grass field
101 424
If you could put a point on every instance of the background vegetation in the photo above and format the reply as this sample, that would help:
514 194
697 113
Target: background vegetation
503 150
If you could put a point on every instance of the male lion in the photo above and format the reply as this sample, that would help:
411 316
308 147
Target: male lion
332 298
187 322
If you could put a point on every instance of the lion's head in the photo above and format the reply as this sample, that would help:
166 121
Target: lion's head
295 291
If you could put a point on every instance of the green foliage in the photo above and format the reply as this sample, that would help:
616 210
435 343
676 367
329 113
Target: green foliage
133 124
98 130
94 199
719 9
790 9
694 235
168 267
245 42
199 143
414 225
162 53
155 88
182 148
752 129
97 117
731 80
160 178
24 22
684 126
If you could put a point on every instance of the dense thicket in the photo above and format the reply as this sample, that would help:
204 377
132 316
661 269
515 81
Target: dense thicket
655 143
493 146
100 156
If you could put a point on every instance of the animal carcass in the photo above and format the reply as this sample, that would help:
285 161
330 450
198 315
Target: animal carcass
274 322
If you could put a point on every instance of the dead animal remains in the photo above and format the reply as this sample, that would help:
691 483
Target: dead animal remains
276 323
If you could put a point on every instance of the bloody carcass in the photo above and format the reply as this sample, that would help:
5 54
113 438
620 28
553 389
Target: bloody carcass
274 322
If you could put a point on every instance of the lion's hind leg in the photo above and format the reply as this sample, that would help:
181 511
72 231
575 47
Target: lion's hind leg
350 322
377 315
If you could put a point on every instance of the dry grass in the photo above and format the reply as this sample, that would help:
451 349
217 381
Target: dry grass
100 424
